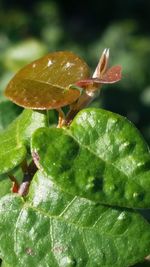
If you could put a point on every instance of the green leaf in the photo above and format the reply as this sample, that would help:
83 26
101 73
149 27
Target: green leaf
101 157
4 264
5 186
44 84
53 228
8 112
14 141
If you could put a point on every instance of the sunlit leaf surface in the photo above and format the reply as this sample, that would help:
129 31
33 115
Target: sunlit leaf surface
15 139
101 157
44 84
55 229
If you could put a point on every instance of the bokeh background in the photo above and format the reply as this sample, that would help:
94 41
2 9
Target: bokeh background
30 29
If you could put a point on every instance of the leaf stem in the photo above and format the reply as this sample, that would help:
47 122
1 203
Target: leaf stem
29 171
24 166
61 118
85 99
47 116
15 186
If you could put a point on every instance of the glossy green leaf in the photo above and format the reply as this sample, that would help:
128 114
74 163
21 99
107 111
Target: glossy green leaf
53 228
101 157
14 141
5 186
44 84
8 112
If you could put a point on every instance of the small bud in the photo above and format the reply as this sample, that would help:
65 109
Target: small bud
102 65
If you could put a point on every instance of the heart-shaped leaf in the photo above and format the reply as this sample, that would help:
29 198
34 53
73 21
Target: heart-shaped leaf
44 84
14 141
55 229
101 157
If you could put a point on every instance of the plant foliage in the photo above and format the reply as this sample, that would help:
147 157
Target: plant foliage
76 185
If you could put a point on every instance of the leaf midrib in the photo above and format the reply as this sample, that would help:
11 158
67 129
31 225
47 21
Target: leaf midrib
69 133
47 83
62 219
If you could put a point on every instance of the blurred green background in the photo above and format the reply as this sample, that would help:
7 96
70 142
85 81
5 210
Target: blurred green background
30 29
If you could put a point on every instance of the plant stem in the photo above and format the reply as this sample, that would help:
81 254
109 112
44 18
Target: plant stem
29 172
86 98
47 116
15 186
61 118
24 166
